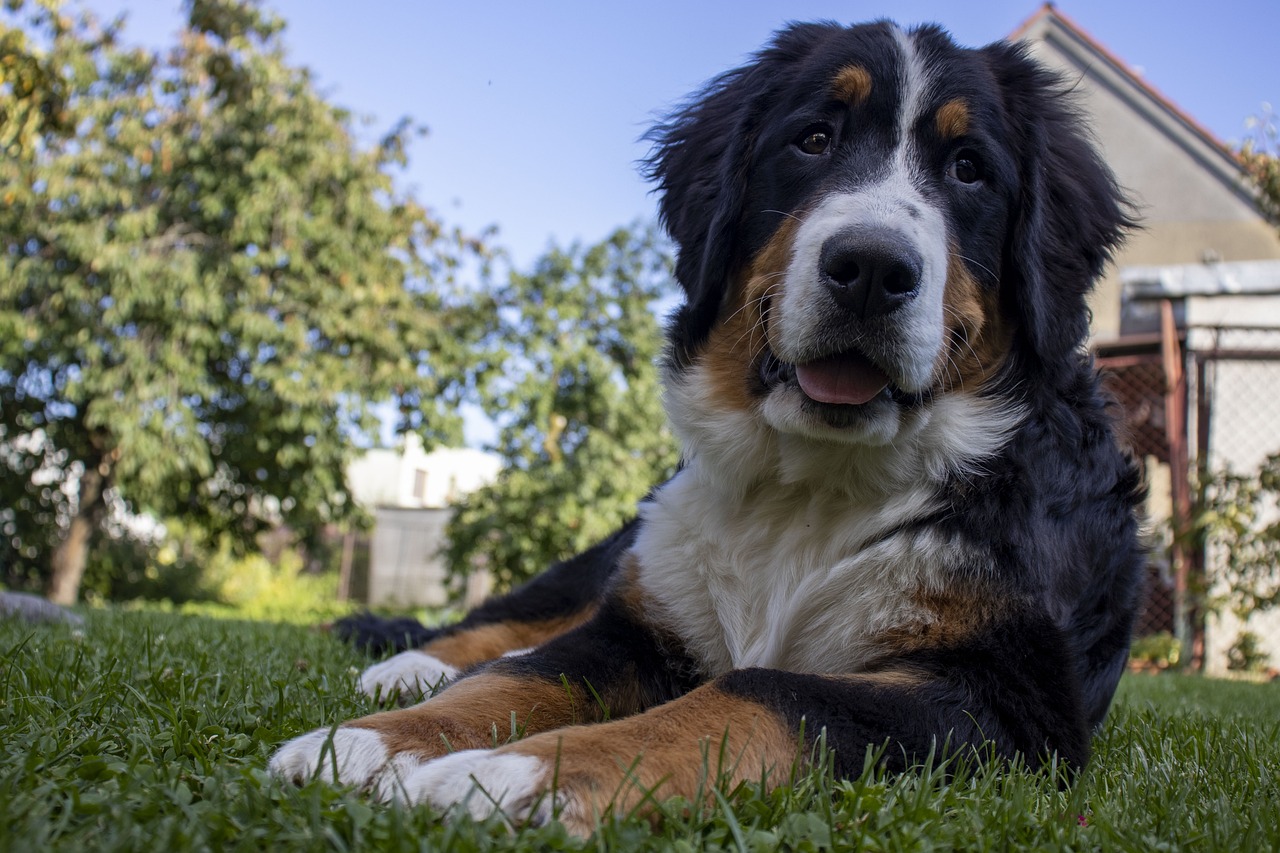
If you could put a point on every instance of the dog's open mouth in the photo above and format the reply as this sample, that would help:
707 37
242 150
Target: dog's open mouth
844 379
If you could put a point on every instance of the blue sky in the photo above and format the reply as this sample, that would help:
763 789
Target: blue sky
535 109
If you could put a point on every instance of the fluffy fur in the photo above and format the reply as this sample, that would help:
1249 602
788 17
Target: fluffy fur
902 515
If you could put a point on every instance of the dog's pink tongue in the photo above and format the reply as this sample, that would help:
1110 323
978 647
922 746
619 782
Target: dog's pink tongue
847 379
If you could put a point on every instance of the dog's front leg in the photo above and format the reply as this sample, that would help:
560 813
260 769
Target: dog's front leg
703 741
612 666
484 710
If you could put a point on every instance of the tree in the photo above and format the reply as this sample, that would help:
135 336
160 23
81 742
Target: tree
207 286
1260 157
571 379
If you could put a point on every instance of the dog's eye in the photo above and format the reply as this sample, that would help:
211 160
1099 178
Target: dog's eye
815 140
966 168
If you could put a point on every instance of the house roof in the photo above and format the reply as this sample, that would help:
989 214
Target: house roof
1195 198
1049 23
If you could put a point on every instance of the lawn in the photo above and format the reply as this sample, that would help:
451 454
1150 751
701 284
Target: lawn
150 731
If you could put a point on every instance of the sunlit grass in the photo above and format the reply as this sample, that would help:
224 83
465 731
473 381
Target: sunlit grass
150 731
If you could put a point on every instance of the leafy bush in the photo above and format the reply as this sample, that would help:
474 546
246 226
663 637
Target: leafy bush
185 567
1240 514
125 568
1157 651
298 599
1246 654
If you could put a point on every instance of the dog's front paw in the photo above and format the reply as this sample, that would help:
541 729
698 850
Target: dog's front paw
344 756
411 674
481 782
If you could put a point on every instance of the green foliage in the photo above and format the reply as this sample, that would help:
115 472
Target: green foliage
188 570
151 731
184 566
1239 514
570 376
206 284
1246 654
1260 157
1157 651
125 568
282 595
34 509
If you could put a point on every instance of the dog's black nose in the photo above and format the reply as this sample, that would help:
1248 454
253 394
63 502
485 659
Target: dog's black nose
870 272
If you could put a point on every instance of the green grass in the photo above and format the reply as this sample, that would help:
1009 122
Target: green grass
151 731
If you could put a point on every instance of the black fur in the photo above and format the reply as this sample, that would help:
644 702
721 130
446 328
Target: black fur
379 635
1068 213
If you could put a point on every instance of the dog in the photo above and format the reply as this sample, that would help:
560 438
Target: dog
902 515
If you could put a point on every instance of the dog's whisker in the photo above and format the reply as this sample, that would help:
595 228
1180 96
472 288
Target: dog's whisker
957 334
758 327
786 214
969 260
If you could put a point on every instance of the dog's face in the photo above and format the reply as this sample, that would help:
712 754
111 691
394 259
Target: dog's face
871 221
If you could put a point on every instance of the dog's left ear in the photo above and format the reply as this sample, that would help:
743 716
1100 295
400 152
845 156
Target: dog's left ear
1070 214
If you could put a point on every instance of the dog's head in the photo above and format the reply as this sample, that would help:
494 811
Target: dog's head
871 220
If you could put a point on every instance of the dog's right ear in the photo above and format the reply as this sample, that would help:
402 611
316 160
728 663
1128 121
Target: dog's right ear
700 160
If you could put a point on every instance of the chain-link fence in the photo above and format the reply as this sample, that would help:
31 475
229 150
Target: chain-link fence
1239 374
1237 395
1206 399
1134 374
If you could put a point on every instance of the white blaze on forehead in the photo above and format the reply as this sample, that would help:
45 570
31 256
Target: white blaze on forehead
914 85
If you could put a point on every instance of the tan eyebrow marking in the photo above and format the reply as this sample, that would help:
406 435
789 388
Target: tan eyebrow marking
852 84
953 119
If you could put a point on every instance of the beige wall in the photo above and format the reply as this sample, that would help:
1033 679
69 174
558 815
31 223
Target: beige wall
1193 202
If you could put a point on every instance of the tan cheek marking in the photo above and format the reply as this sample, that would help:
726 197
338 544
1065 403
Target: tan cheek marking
953 119
734 347
852 84
682 749
977 336
476 711
492 641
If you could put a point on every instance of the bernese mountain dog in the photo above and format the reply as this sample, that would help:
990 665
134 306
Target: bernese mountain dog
902 515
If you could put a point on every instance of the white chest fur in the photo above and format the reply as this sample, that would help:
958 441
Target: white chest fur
777 550
787 577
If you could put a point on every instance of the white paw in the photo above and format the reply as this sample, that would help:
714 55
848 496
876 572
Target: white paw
410 673
344 756
481 782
